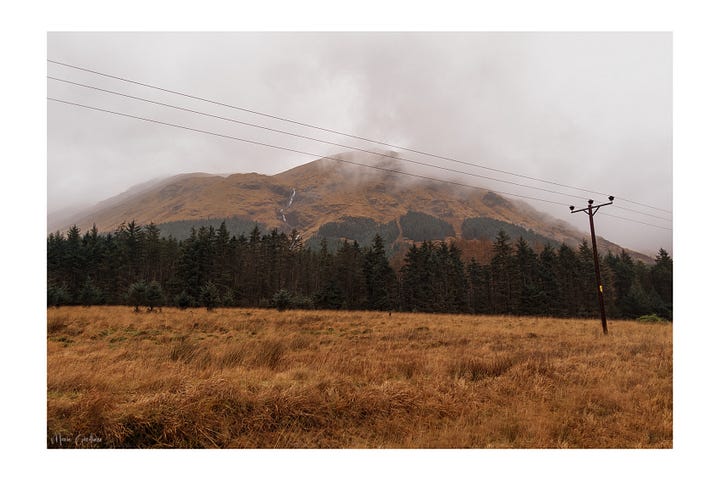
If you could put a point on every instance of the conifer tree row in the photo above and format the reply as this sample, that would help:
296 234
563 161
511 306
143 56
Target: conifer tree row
137 266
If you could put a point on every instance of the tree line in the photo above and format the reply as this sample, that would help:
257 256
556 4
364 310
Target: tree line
137 266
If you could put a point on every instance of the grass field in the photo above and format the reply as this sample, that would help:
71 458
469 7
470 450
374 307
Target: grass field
318 379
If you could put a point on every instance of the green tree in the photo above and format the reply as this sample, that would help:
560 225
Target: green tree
661 274
282 300
549 288
348 275
90 294
415 285
587 283
57 296
638 302
479 287
568 281
380 279
184 300
195 262
623 269
329 296
501 275
209 296
528 300
154 295
129 240
73 264
137 295
448 285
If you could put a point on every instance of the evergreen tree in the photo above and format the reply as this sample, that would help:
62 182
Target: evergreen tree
282 299
549 287
228 299
623 268
661 274
91 250
415 287
348 275
448 285
568 281
479 287
55 256
587 286
137 295
501 275
637 302
73 264
329 296
608 282
222 257
380 279
184 300
154 295
150 252
114 268
90 294
196 261
57 296
253 273
209 296
433 279
527 275
129 241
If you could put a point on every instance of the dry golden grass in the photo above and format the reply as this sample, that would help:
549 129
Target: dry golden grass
314 379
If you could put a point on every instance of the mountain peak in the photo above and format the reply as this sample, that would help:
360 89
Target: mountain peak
306 197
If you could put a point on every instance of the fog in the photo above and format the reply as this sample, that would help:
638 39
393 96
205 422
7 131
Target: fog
589 110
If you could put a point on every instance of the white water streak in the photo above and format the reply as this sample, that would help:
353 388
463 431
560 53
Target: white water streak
292 197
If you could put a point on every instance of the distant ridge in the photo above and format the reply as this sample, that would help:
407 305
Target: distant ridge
310 197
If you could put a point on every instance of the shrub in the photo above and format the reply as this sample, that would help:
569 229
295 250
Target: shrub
57 296
153 295
209 296
137 295
184 300
228 300
90 294
302 303
282 299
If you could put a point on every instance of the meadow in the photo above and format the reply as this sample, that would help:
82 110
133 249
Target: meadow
250 378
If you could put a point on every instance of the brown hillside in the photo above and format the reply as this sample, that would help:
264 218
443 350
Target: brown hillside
326 190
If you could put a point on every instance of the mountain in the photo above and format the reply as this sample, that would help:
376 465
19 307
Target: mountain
332 199
60 220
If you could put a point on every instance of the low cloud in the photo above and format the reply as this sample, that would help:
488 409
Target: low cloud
585 109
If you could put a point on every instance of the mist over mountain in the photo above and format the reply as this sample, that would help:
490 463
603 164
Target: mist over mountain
346 196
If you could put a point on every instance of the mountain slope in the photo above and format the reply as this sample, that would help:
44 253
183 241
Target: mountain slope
321 192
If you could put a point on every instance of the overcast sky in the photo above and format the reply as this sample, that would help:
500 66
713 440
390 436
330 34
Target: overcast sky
592 110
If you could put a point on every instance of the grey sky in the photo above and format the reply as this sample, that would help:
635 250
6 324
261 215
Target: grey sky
592 110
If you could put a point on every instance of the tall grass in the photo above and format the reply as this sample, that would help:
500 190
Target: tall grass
264 379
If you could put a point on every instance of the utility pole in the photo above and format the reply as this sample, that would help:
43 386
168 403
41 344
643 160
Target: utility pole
591 211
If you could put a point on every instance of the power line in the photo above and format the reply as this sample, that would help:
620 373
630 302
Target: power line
314 155
255 112
394 157
642 213
317 156
635 221
314 139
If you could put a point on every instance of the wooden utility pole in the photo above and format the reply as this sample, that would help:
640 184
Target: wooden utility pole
591 211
